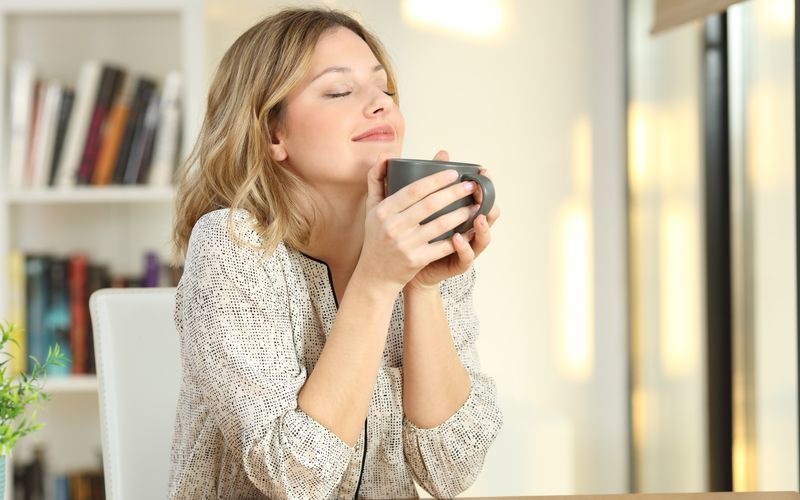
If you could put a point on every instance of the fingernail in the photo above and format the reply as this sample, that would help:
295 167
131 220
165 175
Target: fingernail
452 175
459 238
468 186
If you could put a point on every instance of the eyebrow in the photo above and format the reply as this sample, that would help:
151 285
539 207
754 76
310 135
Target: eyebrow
344 69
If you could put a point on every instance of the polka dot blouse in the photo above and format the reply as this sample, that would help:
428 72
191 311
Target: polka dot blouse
251 329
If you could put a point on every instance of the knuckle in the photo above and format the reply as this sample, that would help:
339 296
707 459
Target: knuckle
381 213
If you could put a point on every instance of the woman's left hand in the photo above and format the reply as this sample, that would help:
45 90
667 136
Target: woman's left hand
467 247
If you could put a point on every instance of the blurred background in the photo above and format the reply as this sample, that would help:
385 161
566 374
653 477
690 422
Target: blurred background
638 303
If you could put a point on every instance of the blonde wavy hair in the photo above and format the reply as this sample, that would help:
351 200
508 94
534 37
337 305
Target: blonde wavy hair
230 165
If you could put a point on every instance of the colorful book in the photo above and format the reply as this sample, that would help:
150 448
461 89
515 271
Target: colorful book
36 277
144 88
78 298
79 120
17 349
111 141
110 84
57 316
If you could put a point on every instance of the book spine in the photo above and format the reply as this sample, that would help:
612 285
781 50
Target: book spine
57 316
75 140
17 349
35 134
78 300
47 132
64 110
150 130
22 94
110 83
36 298
112 139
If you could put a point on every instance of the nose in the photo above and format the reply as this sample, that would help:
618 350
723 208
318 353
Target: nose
379 103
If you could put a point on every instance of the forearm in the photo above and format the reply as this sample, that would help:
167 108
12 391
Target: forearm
338 392
435 383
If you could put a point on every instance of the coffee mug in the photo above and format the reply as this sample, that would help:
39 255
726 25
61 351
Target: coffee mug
401 172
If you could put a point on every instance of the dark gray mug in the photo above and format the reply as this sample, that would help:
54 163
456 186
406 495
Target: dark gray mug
401 172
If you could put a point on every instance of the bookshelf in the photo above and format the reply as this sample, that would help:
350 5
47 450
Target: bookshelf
114 224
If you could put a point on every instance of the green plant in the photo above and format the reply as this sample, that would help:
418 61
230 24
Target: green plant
20 396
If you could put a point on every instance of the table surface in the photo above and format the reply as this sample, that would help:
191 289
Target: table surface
766 495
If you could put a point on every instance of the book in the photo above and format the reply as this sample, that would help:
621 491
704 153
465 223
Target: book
79 326
142 141
16 274
111 141
167 141
23 85
45 134
36 276
57 316
144 88
110 83
36 115
64 110
78 126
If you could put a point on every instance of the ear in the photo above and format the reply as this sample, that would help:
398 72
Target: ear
277 146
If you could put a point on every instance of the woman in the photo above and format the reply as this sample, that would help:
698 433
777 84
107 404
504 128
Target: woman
328 350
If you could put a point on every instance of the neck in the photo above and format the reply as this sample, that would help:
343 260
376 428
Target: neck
338 235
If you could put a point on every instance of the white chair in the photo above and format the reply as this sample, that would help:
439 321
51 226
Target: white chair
138 370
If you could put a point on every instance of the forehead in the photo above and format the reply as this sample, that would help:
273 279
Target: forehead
341 47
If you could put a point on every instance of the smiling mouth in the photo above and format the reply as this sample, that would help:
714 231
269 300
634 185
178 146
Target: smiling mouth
381 133
377 137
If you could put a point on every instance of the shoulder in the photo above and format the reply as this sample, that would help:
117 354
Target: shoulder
226 241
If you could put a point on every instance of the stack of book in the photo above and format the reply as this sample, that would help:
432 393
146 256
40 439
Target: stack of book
50 305
33 480
107 129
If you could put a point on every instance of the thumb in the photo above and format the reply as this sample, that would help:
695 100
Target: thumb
375 177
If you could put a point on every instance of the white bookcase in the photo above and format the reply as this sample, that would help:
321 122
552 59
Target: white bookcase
114 225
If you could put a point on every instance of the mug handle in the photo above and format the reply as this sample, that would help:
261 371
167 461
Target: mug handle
487 188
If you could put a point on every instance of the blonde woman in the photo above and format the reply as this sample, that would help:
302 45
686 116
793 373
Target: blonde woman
328 350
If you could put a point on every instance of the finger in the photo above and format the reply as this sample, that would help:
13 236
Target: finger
484 172
424 209
438 250
494 214
419 189
375 177
483 235
442 224
442 155
466 254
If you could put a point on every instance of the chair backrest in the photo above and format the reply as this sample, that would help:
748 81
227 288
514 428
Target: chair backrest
138 370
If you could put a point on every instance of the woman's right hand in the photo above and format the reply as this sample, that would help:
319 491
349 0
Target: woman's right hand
396 245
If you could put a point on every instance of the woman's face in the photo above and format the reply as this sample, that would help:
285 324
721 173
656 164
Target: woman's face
341 98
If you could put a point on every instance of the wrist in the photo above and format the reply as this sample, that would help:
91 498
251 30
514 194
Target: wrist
416 289
367 282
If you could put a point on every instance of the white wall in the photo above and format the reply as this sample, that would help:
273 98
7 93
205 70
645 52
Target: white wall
541 105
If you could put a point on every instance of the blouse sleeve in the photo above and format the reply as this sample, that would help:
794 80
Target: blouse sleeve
446 459
237 344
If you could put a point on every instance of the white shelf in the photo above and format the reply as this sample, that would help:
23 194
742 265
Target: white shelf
91 6
90 194
71 384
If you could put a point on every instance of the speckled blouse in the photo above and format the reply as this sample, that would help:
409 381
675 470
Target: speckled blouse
251 328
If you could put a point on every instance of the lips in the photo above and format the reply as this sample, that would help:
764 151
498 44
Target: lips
382 133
